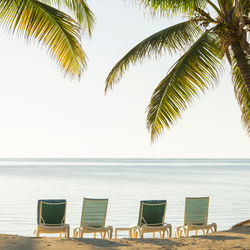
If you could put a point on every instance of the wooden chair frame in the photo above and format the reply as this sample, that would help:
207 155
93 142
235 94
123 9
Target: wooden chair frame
79 231
152 228
187 227
62 228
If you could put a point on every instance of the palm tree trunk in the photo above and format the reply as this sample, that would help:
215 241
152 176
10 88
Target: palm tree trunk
242 62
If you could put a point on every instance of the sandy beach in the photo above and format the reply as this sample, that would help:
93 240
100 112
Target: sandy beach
236 238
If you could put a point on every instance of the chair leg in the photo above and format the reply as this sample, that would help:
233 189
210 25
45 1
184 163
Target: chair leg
170 232
214 226
135 234
110 233
180 234
141 233
37 232
177 232
81 234
75 233
163 234
130 234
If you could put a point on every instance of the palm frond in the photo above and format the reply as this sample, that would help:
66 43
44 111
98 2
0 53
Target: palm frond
242 95
172 39
245 7
80 10
192 74
50 27
171 7
225 5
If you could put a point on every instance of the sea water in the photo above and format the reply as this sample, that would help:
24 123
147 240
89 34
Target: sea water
125 182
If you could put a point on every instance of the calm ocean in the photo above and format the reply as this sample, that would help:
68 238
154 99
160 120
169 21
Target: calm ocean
125 182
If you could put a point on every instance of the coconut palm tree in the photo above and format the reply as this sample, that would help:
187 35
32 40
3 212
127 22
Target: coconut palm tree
212 30
52 28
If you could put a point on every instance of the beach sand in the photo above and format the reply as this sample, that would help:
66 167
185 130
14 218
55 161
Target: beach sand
236 238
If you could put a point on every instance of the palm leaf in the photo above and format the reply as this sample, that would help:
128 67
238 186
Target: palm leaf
80 10
225 5
242 95
245 6
50 27
172 7
172 39
192 74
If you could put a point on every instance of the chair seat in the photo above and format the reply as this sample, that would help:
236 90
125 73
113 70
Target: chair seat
187 228
153 229
194 227
79 231
95 229
53 229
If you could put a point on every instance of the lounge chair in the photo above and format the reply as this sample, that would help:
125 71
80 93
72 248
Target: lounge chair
196 216
93 219
151 219
51 217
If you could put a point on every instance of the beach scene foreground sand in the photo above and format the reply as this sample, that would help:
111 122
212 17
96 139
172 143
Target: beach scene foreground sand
235 238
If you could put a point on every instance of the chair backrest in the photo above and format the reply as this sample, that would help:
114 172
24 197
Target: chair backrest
152 212
51 212
196 210
94 212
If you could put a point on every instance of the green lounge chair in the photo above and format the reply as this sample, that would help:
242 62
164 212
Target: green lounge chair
196 216
51 217
151 219
94 212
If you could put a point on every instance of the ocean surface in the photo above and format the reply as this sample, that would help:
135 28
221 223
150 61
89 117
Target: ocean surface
125 182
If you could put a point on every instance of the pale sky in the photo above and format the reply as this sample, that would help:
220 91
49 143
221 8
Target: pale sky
44 114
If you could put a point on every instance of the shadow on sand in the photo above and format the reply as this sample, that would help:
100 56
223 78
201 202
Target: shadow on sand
218 237
23 243
100 242
113 244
